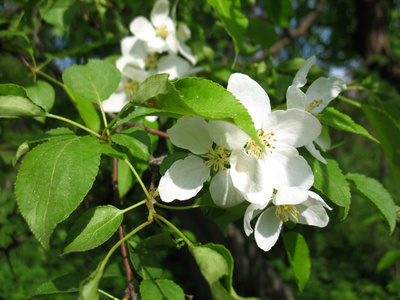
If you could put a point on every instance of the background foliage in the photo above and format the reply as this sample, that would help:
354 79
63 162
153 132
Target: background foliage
352 258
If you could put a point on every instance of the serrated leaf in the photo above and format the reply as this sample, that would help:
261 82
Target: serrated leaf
151 87
235 22
95 81
388 132
299 257
15 103
93 228
334 118
160 289
53 180
375 192
136 140
261 32
62 285
330 181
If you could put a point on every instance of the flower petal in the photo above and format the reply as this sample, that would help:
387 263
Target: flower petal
160 12
294 127
252 211
312 213
300 78
251 95
174 65
186 52
324 140
142 28
267 229
191 133
184 179
134 47
227 135
314 152
115 102
245 172
223 192
295 98
132 62
291 195
325 89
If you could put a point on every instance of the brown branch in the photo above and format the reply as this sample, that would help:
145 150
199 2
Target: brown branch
292 34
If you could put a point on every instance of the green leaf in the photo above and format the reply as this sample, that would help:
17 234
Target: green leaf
62 285
235 22
136 140
299 257
89 287
280 12
28 145
160 289
60 14
330 181
53 180
261 32
151 87
95 81
14 103
14 33
334 118
213 102
42 93
93 228
375 192
145 261
388 259
388 132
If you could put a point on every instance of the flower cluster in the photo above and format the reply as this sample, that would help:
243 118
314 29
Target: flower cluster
272 176
153 49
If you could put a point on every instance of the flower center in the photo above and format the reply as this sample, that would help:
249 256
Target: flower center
267 139
151 61
283 212
130 88
217 158
161 31
311 106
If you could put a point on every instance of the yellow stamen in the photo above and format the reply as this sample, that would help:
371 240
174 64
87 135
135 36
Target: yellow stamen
282 212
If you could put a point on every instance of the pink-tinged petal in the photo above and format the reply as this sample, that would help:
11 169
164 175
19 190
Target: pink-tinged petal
267 229
294 127
186 52
314 152
191 133
116 102
245 172
160 12
300 78
223 192
227 135
252 211
312 213
325 89
251 95
175 66
142 28
184 179
295 98
291 196
287 171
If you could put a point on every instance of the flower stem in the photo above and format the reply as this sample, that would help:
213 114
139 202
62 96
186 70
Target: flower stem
113 121
107 294
180 233
134 206
73 123
348 100
138 178
177 207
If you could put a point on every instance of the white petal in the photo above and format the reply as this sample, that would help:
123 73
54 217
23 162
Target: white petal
227 135
311 212
252 211
251 95
287 171
159 12
314 152
175 66
223 192
172 44
116 102
267 229
127 60
260 198
134 73
156 45
295 98
245 172
294 127
325 89
291 196
183 33
318 199
186 52
191 133
184 179
300 78
142 28
324 140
